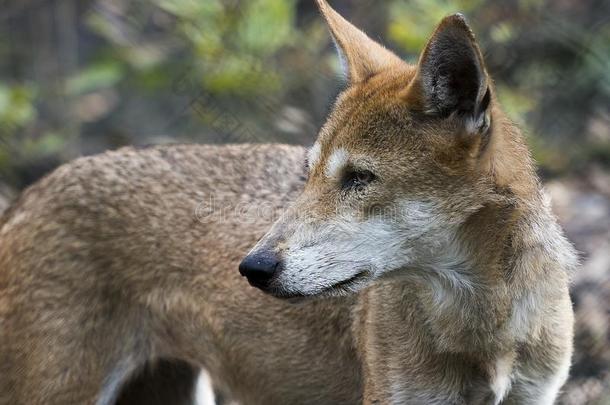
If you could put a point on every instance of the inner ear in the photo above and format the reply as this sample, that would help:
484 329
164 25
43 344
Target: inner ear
451 76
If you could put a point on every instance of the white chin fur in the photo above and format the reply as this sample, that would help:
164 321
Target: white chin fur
323 255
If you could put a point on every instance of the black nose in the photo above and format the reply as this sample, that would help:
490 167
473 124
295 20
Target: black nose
259 268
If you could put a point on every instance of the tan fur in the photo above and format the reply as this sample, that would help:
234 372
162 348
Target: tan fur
132 255
106 260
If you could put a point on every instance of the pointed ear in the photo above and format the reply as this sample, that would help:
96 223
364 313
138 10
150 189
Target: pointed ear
361 57
451 76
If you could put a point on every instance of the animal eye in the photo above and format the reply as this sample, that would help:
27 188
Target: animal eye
358 179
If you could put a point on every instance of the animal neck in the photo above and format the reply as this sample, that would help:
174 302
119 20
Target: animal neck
462 289
475 289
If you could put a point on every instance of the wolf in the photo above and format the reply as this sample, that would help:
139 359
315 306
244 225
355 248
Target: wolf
413 260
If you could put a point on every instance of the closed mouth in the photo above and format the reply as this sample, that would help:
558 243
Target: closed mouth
345 285
341 288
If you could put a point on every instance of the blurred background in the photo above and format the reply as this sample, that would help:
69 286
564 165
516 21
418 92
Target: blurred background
79 77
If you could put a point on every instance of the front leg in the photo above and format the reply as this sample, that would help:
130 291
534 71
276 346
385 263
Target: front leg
539 384
448 380
543 363
400 362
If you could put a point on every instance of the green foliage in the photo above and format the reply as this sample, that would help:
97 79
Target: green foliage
97 76
234 45
597 60
185 70
17 111
16 107
49 143
266 26
516 103
411 23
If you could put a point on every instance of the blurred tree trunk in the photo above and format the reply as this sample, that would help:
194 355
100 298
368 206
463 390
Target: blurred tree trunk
54 40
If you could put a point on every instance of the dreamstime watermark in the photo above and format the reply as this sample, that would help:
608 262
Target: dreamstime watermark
212 210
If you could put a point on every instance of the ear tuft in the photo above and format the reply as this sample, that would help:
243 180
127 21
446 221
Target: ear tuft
361 57
451 73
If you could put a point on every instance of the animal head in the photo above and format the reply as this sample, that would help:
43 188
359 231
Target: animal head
404 159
